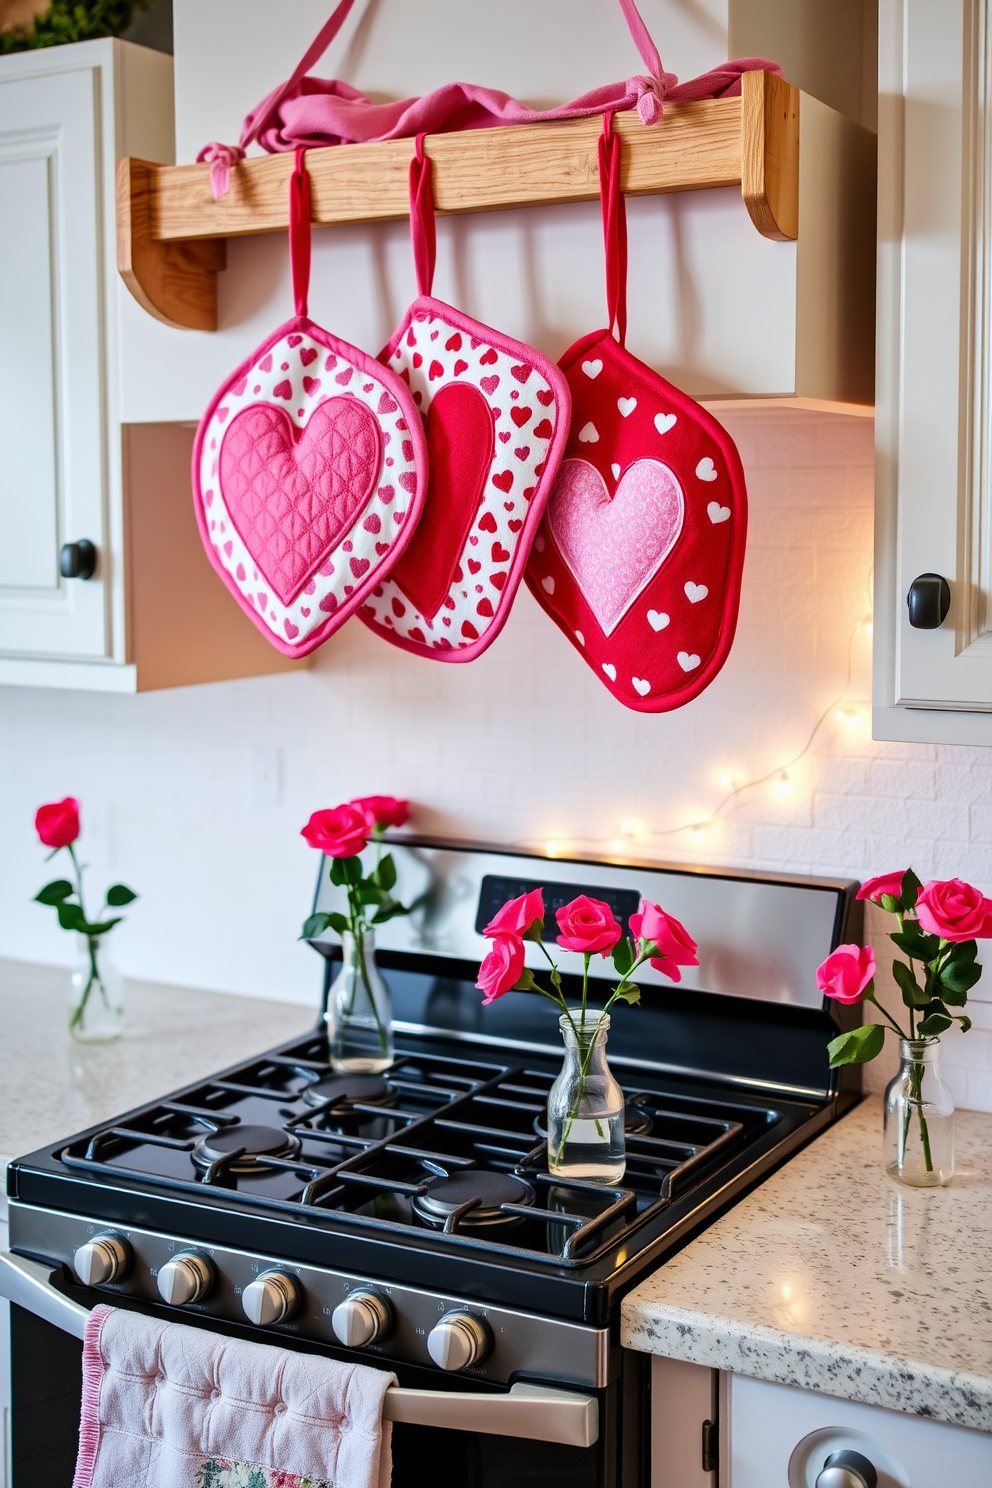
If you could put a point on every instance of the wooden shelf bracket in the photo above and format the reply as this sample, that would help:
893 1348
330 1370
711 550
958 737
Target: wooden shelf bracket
171 234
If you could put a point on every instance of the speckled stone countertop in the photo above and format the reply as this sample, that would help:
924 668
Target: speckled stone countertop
51 1087
834 1277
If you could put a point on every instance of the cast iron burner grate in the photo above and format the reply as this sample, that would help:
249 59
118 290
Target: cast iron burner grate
452 1155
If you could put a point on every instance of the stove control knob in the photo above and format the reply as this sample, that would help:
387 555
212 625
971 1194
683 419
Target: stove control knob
103 1260
362 1318
459 1340
271 1298
185 1279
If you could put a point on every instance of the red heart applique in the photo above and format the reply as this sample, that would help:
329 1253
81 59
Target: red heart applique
503 480
487 522
488 357
460 451
308 354
520 416
521 372
291 493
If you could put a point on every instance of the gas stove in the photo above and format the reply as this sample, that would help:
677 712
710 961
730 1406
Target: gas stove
409 1217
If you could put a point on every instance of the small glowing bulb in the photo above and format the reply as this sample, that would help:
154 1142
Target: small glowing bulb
869 627
552 849
847 715
619 845
786 1291
632 827
784 783
729 782
699 829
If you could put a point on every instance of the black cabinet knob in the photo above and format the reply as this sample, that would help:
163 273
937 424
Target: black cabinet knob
929 600
77 560
847 1470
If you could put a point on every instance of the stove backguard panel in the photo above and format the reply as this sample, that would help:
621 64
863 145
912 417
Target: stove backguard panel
750 1012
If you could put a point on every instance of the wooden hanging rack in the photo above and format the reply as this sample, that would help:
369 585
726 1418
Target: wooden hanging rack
171 233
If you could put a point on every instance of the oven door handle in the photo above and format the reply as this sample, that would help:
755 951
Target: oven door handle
536 1412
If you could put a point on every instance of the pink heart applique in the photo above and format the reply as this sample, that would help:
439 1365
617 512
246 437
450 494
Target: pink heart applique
291 493
614 548
309 354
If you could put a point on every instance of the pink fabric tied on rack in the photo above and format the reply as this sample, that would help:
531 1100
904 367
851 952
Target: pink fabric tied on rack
313 112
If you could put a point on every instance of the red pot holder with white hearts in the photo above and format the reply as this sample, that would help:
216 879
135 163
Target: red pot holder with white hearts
640 553
496 417
309 470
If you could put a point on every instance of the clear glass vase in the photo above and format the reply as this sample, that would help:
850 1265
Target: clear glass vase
586 1107
95 994
919 1118
359 1013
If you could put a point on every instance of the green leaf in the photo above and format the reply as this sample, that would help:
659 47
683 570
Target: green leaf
338 876
367 893
54 892
965 1024
70 916
911 887
623 955
352 870
857 1046
910 940
100 927
962 950
525 981
390 911
630 993
533 932
315 925
958 977
119 894
891 903
912 993
933 1024
385 875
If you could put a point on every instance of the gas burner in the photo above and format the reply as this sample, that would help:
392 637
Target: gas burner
447 1195
347 1091
260 1143
636 1120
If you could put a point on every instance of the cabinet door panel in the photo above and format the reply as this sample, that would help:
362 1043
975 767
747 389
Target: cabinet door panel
52 414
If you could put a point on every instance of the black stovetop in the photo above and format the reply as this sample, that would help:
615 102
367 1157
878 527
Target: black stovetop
444 1156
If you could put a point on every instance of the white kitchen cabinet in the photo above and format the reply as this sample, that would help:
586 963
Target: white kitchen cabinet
778 1436
933 411
152 614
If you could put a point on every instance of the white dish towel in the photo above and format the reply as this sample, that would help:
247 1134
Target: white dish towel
167 1406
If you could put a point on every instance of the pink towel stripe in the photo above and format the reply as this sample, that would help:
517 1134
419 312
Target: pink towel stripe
89 1420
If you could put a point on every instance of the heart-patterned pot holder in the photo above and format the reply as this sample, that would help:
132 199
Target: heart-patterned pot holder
496 418
639 557
309 471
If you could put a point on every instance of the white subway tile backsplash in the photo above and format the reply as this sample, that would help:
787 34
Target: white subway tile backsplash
523 745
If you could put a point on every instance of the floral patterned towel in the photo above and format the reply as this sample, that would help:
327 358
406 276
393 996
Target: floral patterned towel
168 1406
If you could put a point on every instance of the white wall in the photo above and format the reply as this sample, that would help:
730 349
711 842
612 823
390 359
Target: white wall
196 797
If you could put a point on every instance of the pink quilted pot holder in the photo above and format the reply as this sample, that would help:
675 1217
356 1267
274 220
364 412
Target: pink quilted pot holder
640 554
309 471
496 418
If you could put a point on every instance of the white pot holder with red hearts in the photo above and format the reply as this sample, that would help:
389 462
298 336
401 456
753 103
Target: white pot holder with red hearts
309 470
640 553
496 418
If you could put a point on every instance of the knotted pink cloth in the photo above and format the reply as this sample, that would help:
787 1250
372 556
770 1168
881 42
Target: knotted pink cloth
167 1406
311 112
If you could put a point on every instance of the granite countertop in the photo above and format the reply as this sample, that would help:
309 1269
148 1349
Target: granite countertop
834 1277
52 1087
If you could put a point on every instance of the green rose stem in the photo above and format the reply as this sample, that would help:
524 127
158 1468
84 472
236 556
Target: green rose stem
92 941
586 1044
359 925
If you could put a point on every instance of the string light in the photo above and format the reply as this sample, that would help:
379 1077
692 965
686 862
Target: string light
846 709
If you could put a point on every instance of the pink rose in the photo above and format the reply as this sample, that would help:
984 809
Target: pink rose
954 910
517 915
885 883
383 811
500 971
846 973
673 940
340 832
58 823
587 926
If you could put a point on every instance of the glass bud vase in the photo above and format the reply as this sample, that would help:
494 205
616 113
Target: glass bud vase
95 994
919 1118
586 1108
359 1013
